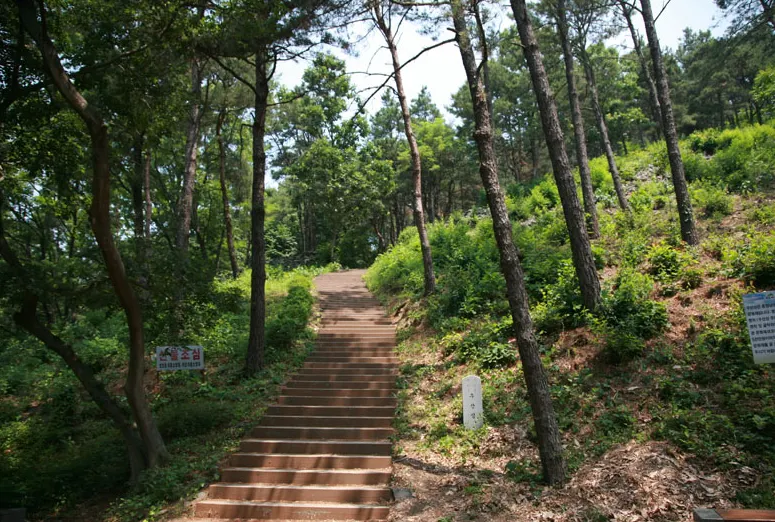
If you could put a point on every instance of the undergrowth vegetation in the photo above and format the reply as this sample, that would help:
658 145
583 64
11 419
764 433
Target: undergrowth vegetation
45 416
665 357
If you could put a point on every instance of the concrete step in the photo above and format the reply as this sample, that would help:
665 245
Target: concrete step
327 421
236 509
317 376
339 401
331 411
280 493
328 358
341 385
308 461
346 365
307 477
315 433
335 447
349 371
339 392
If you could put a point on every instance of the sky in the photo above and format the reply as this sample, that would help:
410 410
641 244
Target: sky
441 69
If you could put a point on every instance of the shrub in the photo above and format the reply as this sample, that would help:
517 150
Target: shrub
666 263
186 419
287 320
627 316
562 306
745 160
755 260
486 345
713 200
706 141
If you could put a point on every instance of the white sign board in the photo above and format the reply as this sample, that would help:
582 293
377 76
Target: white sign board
180 358
760 315
473 414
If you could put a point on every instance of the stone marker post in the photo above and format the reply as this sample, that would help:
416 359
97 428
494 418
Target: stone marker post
473 414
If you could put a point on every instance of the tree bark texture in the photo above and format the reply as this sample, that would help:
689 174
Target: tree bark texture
414 151
582 158
581 249
549 440
602 126
225 196
100 220
685 212
254 360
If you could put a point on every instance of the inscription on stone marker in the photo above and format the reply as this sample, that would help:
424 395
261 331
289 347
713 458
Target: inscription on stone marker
760 316
473 414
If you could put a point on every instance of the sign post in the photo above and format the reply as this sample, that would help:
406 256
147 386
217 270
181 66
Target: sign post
171 358
760 316
473 413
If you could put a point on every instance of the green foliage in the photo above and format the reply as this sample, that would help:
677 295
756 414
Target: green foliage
746 157
486 344
714 201
705 141
562 306
666 262
628 317
192 418
754 260
50 419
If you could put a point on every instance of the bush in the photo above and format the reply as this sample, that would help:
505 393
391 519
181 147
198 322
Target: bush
186 419
486 345
287 321
745 160
562 306
755 260
706 141
712 200
627 316
666 263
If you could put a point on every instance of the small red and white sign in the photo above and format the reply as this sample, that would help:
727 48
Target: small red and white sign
172 358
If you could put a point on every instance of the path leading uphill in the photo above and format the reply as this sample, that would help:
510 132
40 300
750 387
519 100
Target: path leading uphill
322 452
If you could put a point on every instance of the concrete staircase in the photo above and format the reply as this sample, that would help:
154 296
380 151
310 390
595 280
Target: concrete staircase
322 452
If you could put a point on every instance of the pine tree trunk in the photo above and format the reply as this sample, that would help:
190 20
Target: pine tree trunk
602 127
549 440
99 216
583 261
587 191
685 212
414 152
225 195
656 111
257 340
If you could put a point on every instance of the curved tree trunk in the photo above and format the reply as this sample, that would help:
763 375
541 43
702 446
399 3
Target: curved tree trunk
583 261
225 195
100 220
414 151
582 158
685 212
549 440
603 128
254 360
27 319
